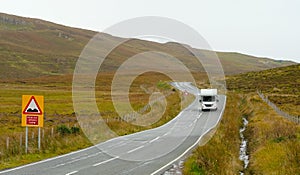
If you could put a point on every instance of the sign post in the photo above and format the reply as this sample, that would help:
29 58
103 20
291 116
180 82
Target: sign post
26 139
32 115
39 138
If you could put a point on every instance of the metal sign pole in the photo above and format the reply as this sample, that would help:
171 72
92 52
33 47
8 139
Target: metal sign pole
39 139
32 116
26 140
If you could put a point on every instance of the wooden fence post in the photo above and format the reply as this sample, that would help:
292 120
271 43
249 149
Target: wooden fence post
7 143
32 135
21 140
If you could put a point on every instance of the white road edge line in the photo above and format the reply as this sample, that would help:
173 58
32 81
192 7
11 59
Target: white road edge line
73 172
96 146
46 160
106 161
135 149
191 147
78 151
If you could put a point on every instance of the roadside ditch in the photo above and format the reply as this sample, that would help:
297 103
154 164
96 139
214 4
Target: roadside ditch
244 157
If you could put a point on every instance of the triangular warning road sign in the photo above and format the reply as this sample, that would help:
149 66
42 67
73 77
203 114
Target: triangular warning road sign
32 107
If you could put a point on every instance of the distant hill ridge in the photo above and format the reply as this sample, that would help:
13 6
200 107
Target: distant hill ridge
33 47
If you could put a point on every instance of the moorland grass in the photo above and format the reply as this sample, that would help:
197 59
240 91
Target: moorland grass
59 111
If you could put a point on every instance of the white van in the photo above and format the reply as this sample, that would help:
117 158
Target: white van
208 99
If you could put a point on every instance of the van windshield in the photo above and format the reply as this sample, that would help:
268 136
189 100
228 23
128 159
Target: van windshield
209 98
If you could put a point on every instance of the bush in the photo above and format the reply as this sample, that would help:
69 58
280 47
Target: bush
63 130
74 130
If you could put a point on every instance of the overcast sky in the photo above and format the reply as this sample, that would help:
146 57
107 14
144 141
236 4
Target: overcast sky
266 28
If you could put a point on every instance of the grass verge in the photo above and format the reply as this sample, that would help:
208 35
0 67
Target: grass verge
220 154
59 111
273 141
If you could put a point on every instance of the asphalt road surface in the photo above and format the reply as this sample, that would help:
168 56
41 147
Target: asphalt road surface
148 152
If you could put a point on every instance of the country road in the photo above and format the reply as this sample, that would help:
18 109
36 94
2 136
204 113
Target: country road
148 152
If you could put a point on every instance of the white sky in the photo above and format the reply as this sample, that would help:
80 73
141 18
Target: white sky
266 28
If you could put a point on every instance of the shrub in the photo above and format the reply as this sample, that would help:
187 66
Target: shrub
75 130
63 130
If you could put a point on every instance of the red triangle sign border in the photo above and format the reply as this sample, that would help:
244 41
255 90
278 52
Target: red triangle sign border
36 113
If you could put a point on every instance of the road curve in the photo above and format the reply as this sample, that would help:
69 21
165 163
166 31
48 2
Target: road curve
147 152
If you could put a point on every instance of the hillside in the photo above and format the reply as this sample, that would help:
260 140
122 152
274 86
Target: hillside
32 47
234 63
281 85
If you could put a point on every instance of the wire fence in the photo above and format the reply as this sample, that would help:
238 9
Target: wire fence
14 143
292 118
133 115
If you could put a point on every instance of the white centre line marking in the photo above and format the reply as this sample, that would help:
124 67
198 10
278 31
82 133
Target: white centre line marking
73 172
135 149
78 156
199 115
100 163
62 164
154 139
166 134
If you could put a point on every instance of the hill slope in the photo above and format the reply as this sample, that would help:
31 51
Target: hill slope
281 85
33 48
238 63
